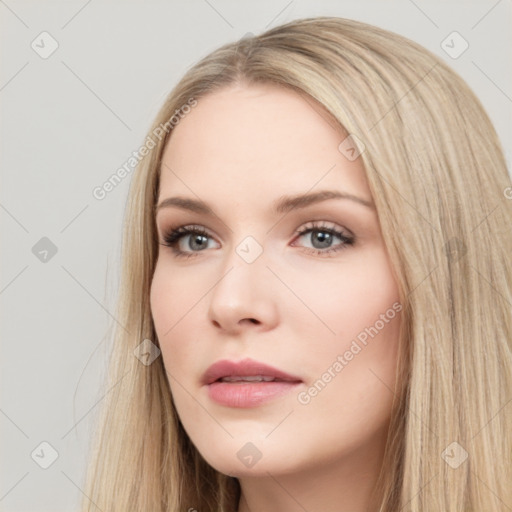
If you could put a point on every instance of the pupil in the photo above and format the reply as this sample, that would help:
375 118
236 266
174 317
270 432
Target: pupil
324 239
197 240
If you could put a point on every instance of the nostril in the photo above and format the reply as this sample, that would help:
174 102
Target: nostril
252 320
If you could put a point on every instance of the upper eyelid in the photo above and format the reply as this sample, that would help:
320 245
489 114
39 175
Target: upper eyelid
325 224
321 224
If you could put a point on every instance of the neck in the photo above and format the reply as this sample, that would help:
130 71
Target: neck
342 485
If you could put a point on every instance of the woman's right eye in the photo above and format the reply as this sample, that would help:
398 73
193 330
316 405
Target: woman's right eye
195 238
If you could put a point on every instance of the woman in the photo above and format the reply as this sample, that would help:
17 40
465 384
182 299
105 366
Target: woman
316 287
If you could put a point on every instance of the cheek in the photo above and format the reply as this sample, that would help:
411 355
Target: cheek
178 336
176 305
166 309
172 296
346 298
162 302
359 319
364 388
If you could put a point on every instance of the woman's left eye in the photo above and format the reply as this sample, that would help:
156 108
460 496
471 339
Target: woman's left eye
184 240
322 237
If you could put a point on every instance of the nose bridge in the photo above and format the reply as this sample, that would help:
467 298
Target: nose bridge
243 270
243 292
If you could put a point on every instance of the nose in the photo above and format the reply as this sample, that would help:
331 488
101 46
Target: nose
244 297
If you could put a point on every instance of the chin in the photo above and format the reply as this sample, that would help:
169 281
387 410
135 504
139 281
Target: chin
248 460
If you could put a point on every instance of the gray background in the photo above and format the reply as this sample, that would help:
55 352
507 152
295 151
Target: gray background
70 121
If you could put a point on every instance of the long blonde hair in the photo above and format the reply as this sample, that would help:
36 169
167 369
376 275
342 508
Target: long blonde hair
440 184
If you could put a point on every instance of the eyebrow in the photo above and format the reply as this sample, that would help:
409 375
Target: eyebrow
282 205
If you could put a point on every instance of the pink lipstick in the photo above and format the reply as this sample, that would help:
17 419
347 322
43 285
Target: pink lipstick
246 383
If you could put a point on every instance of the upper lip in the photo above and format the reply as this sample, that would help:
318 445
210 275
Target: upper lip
244 368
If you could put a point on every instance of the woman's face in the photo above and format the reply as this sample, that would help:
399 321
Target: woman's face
302 285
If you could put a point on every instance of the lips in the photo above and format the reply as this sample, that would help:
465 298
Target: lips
247 383
233 371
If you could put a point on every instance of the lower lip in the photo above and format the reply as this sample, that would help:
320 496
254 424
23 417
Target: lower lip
248 394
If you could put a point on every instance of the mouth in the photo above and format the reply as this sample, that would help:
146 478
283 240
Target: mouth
247 383
251 378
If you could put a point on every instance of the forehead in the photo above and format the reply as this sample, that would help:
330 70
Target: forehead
257 141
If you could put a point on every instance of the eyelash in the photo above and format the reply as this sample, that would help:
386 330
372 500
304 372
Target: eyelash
173 237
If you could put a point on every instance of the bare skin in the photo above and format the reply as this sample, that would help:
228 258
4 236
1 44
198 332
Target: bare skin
298 306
